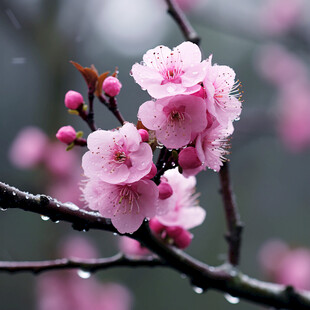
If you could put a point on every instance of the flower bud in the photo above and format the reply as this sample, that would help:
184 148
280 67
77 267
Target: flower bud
181 237
188 158
156 226
165 190
111 86
152 173
66 134
144 135
73 99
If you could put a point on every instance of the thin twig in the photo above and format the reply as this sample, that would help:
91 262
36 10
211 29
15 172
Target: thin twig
89 265
223 278
112 106
234 224
181 20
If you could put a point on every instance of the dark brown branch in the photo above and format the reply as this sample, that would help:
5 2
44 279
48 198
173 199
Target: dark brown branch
224 278
181 20
112 106
88 265
234 224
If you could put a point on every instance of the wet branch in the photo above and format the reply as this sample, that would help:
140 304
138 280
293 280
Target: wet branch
223 278
234 224
87 265
188 31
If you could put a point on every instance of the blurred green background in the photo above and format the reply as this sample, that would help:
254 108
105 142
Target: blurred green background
38 38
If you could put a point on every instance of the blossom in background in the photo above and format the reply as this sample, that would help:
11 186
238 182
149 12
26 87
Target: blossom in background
117 156
65 290
132 247
28 148
167 72
284 265
279 16
293 116
125 204
175 119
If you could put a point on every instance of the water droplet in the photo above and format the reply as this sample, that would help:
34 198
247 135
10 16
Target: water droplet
114 234
231 299
237 119
44 218
57 221
170 89
14 194
72 206
197 289
27 197
3 209
83 274
57 205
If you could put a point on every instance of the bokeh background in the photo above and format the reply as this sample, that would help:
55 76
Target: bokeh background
267 42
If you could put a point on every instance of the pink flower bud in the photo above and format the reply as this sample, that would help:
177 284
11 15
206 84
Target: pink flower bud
156 226
73 99
111 86
188 158
181 237
144 135
152 172
66 134
165 190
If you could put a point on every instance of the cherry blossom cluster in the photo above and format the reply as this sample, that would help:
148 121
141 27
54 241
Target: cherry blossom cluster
195 104
190 118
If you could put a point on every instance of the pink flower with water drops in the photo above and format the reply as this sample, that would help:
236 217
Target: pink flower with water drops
126 205
117 156
185 211
211 145
222 93
167 72
176 120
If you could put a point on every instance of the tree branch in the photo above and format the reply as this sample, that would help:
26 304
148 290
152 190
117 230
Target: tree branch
88 265
223 278
234 224
181 20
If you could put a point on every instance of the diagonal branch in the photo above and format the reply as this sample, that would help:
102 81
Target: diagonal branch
234 224
223 278
88 265
188 31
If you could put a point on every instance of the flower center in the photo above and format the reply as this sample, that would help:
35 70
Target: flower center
127 200
120 156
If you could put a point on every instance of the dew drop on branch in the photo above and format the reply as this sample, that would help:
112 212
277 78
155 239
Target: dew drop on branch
198 290
231 299
83 274
44 218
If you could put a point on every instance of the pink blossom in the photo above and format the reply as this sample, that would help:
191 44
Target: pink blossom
165 190
212 144
185 211
176 120
222 93
293 111
66 134
152 172
279 16
181 237
117 156
168 73
111 86
73 100
126 205
132 247
28 148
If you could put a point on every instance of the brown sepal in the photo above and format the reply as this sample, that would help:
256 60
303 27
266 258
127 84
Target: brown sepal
90 75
